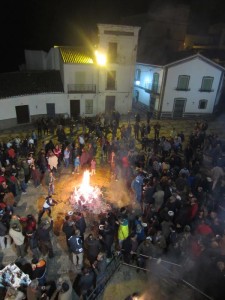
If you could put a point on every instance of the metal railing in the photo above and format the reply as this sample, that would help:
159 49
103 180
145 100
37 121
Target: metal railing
117 262
149 87
81 88
111 268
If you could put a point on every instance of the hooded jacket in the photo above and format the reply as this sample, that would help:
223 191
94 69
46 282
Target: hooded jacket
123 230
17 236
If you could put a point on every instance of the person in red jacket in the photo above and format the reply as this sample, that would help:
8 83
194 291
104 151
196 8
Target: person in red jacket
11 155
193 208
204 229
29 223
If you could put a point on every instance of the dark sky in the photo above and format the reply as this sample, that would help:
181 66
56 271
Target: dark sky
41 24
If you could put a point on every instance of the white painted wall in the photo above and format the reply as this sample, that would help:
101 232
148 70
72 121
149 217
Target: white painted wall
35 59
146 80
36 103
41 60
196 69
124 66
71 73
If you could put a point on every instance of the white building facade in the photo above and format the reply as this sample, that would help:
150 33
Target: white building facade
92 88
148 85
183 89
88 88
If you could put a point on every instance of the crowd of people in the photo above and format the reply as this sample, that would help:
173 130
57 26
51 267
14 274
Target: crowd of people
176 209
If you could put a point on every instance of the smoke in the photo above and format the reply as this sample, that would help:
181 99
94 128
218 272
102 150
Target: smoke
118 194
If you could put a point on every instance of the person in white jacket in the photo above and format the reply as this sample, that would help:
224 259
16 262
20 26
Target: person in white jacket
18 239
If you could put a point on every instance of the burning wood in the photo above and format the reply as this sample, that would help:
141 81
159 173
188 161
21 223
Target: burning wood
88 197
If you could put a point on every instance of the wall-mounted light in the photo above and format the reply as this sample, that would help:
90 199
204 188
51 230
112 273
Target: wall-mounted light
100 58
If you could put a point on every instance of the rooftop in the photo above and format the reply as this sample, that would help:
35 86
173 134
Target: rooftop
72 55
29 83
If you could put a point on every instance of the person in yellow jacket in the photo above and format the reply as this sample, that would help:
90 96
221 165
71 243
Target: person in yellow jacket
123 230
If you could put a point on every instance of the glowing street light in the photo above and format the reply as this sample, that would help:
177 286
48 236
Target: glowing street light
101 58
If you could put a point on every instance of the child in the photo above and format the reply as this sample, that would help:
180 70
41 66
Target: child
93 166
76 165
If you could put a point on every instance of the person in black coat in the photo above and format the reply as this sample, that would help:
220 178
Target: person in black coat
80 224
39 268
129 247
43 233
85 284
32 241
3 232
107 233
68 228
76 246
93 247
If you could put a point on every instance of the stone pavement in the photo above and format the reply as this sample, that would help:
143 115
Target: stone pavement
30 203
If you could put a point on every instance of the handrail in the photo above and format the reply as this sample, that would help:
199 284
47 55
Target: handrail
111 268
117 262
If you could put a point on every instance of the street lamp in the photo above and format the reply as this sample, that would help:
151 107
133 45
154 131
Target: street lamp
100 58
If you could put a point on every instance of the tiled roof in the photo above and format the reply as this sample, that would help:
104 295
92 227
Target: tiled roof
72 55
29 83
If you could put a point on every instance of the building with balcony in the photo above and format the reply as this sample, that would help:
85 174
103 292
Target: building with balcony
81 85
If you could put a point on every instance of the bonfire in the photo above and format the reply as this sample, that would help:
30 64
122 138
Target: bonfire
87 197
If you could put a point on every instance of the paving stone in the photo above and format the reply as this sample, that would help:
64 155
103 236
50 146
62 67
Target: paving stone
61 263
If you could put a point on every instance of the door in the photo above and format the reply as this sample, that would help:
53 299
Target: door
178 108
152 104
50 107
75 108
22 114
110 104
155 82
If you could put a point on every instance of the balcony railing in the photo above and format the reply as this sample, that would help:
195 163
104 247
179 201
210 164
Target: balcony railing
148 87
81 88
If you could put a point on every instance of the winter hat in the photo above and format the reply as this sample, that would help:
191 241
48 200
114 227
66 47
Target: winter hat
65 287
170 213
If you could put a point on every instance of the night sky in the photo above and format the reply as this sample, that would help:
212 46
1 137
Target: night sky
41 24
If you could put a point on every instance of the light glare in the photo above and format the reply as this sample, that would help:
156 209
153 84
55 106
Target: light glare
101 58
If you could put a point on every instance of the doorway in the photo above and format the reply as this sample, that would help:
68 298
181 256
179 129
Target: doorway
22 114
75 109
110 104
152 104
178 108
50 107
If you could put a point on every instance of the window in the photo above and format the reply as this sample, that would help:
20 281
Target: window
155 82
183 83
89 106
112 53
202 104
138 75
207 82
111 80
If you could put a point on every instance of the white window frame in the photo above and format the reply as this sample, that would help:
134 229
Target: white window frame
207 82
186 87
